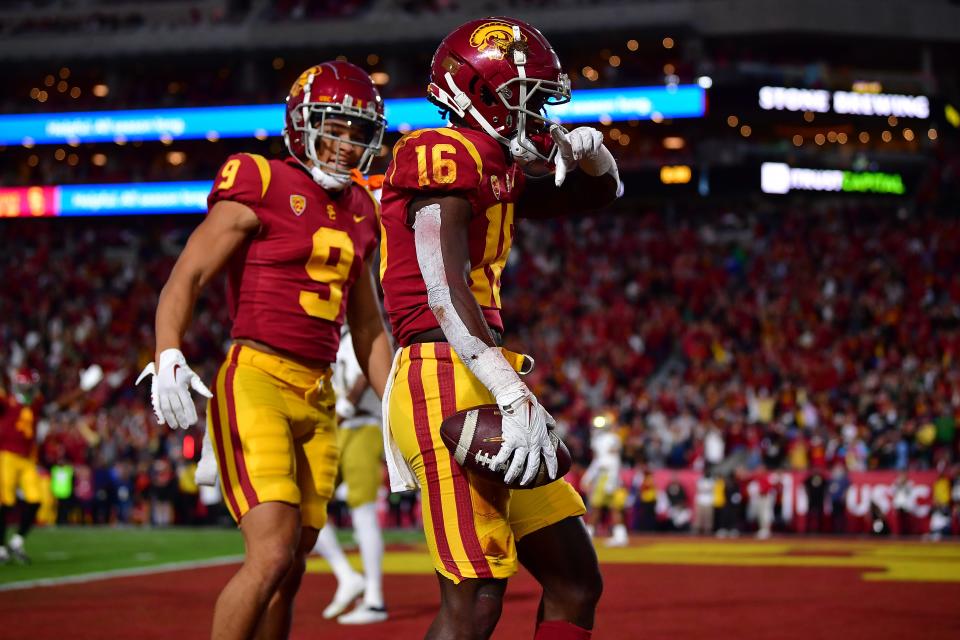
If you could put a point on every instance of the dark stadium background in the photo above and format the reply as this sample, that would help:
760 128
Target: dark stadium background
767 337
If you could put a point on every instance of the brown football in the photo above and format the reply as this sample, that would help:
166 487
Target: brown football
473 437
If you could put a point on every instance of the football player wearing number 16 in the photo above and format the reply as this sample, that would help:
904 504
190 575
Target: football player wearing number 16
449 203
295 236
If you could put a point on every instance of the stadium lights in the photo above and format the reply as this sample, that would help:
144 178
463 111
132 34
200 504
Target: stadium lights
674 142
952 115
101 90
633 45
677 174
705 82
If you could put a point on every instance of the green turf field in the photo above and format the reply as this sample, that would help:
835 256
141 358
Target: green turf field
69 551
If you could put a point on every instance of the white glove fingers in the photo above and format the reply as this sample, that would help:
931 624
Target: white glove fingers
189 409
506 449
197 385
149 370
532 466
166 410
155 403
516 464
550 457
560 174
560 138
183 407
579 142
596 141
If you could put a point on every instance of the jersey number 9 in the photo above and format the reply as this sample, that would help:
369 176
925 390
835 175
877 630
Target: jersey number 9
330 264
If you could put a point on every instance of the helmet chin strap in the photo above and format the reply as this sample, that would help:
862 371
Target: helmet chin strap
329 181
461 105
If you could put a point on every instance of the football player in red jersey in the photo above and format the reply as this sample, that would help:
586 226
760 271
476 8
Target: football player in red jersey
449 203
19 411
296 237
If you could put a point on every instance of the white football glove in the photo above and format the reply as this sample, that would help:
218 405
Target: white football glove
582 147
170 390
90 377
525 437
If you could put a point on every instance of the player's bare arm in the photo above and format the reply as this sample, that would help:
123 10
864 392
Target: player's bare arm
442 245
225 228
370 340
451 241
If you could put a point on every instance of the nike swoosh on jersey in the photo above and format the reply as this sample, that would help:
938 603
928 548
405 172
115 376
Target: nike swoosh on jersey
358 218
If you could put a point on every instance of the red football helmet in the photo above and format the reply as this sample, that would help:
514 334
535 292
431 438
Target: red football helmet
26 381
495 73
335 90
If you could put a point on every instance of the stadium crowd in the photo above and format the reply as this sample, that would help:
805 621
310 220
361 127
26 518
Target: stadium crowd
796 340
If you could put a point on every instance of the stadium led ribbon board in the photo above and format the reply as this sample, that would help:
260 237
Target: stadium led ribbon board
844 102
780 178
105 199
588 105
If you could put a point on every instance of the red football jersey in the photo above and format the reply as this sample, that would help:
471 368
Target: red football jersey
18 425
446 161
288 286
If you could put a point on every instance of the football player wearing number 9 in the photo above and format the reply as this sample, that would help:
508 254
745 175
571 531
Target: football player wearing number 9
295 236
449 203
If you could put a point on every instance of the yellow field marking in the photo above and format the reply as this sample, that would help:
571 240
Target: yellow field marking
878 561
394 562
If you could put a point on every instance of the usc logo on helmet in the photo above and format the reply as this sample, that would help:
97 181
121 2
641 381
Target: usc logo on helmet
304 79
493 39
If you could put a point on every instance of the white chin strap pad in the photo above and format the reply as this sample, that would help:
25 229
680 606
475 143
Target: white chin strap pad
330 181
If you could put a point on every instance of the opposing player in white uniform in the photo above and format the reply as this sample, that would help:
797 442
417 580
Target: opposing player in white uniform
601 481
361 473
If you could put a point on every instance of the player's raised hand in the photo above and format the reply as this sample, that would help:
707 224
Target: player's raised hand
525 438
170 389
583 143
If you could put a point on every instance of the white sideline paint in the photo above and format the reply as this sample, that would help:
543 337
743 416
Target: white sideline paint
120 573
